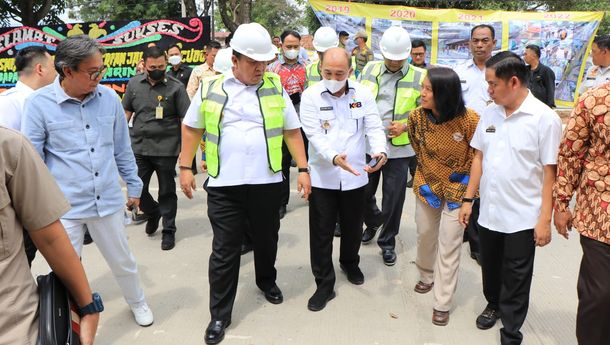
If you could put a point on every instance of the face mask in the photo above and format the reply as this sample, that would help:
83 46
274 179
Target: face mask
291 54
175 60
156 74
333 85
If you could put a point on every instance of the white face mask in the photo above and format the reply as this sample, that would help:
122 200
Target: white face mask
333 85
175 60
291 54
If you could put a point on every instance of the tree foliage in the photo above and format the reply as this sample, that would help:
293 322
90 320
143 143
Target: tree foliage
96 10
234 12
31 12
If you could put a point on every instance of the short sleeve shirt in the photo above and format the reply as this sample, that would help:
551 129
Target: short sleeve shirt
30 198
151 136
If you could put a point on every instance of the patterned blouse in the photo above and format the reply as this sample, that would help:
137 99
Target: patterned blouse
582 166
444 156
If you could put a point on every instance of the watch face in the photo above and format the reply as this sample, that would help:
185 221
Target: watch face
97 302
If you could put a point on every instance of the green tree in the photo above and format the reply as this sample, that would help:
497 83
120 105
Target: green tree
277 16
90 11
31 12
234 12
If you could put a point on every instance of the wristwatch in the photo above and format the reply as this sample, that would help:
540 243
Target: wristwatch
304 170
468 200
96 306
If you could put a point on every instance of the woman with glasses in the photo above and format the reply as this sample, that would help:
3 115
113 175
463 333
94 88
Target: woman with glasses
440 131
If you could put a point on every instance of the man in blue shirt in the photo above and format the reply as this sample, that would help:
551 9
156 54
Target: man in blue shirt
79 129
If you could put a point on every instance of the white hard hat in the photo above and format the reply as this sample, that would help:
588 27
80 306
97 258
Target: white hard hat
325 38
253 41
395 44
222 62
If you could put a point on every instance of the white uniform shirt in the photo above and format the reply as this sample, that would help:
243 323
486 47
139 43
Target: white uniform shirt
474 86
243 147
336 125
595 76
515 150
11 105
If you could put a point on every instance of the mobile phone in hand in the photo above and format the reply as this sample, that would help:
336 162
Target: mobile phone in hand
373 162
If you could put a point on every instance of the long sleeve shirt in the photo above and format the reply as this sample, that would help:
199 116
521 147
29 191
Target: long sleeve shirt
582 165
85 145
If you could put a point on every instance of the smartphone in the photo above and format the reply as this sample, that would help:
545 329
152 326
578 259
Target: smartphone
373 162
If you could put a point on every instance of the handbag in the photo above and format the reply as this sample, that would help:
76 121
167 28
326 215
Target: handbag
59 322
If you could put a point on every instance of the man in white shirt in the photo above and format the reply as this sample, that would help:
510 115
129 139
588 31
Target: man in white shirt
246 116
474 90
516 142
35 69
599 73
336 115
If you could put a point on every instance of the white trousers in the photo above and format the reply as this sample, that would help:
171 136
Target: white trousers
439 244
108 234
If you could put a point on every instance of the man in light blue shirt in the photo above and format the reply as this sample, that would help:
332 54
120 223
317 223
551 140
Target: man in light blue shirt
79 129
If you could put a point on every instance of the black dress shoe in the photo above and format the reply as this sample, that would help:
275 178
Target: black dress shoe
319 299
215 332
337 230
87 240
168 242
138 218
389 257
369 233
274 295
152 224
487 319
282 211
354 275
246 248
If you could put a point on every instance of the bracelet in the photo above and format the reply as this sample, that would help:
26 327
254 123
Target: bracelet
182 167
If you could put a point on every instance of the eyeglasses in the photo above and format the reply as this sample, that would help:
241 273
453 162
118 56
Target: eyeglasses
97 73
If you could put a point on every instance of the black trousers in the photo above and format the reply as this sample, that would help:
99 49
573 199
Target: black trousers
286 159
167 204
593 317
232 211
412 166
324 205
472 230
507 263
394 186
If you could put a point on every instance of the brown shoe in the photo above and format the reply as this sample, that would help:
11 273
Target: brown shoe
440 318
422 287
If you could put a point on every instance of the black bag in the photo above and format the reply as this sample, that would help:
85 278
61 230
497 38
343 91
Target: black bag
58 318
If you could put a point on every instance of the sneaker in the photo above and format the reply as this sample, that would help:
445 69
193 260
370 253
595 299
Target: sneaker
142 314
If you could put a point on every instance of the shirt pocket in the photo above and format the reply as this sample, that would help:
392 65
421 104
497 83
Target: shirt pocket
62 135
355 120
5 212
328 121
106 125
465 85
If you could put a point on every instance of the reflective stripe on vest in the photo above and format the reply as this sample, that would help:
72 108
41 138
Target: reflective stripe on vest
313 74
408 91
272 104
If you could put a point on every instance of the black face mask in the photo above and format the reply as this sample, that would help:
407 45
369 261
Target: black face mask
156 74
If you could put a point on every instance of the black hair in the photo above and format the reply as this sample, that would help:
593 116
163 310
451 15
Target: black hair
276 37
287 33
152 52
507 65
213 45
28 57
534 48
484 26
603 42
237 54
228 39
417 44
343 33
174 46
447 91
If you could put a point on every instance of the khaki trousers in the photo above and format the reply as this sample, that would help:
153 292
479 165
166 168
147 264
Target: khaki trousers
439 243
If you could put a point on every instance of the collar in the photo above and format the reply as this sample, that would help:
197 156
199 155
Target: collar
350 88
404 70
232 79
20 86
145 80
527 107
61 96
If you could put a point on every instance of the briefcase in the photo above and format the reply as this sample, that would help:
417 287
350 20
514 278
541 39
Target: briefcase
59 322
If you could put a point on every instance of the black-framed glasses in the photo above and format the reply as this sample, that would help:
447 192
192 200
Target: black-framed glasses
97 73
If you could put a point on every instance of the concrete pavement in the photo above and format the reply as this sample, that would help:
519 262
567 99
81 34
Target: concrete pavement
385 310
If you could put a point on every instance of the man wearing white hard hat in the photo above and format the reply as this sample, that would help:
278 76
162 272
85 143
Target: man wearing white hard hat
323 39
396 86
246 117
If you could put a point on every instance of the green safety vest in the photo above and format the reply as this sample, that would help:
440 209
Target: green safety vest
408 91
313 74
272 106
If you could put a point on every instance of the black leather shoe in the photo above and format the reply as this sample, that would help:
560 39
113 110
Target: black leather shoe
138 218
274 295
337 230
319 299
369 233
87 240
246 248
282 211
168 242
152 224
354 275
215 332
487 319
389 257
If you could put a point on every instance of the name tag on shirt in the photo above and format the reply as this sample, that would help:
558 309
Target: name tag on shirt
326 108
490 129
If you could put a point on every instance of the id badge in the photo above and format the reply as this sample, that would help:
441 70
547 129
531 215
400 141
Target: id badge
159 113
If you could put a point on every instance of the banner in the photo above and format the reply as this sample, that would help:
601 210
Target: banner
564 37
124 42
